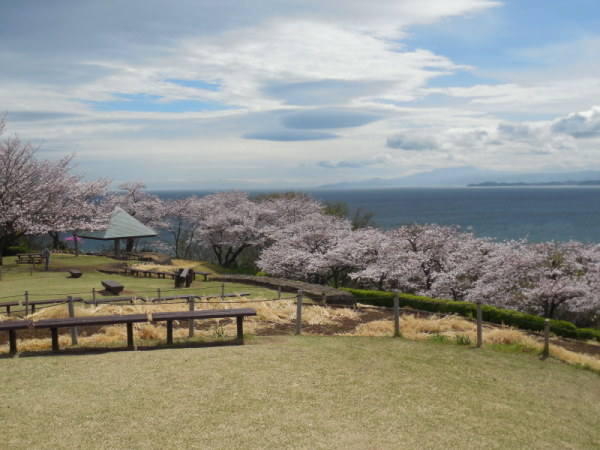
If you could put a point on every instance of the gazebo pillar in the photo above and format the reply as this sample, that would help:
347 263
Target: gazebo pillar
117 248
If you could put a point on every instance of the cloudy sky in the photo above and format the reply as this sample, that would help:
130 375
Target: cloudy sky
221 94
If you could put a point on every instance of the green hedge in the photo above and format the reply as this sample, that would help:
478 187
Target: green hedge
16 249
489 313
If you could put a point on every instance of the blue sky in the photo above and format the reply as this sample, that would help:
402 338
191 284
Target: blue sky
246 95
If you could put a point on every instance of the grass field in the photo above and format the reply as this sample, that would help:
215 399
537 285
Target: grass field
55 283
301 392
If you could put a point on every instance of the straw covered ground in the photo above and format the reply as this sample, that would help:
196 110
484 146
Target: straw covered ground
278 318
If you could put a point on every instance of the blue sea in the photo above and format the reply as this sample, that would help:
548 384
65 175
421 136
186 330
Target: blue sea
536 213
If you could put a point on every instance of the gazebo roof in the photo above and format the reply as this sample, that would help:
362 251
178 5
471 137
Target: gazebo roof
121 226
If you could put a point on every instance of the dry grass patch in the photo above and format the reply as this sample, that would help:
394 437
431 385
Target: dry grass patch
275 316
419 329
377 328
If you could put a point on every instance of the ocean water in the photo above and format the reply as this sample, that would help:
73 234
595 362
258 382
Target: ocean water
537 213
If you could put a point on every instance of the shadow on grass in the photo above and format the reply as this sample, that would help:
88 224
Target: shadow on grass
146 346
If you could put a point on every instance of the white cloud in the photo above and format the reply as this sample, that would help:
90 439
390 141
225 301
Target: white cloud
296 72
414 141
585 124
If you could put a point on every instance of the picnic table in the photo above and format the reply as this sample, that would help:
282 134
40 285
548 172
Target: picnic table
30 258
147 273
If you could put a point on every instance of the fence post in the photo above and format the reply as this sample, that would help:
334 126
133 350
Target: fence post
0 274
72 314
222 291
397 332
158 294
479 325
546 351
94 297
278 292
191 323
299 312
26 302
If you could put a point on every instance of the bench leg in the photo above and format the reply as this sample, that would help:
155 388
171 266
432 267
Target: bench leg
130 335
240 328
32 309
8 310
12 338
169 331
54 339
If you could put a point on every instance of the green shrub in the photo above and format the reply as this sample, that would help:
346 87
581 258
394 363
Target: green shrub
462 339
15 249
489 313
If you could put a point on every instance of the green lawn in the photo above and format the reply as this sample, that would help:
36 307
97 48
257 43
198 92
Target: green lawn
16 279
301 392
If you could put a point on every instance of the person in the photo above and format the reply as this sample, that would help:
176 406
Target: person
46 256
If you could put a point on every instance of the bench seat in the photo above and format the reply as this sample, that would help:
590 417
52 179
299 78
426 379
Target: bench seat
113 286
128 319
12 326
7 305
204 274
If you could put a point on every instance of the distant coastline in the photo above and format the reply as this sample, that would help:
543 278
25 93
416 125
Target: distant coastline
549 183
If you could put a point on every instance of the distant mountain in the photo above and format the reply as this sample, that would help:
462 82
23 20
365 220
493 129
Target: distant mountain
550 183
463 176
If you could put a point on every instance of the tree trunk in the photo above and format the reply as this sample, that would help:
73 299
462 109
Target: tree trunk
75 244
55 239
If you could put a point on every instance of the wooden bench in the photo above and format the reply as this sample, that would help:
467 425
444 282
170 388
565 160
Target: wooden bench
131 271
129 320
30 258
160 274
7 305
205 274
75 273
12 326
238 313
113 286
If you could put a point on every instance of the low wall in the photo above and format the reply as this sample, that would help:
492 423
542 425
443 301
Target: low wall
316 292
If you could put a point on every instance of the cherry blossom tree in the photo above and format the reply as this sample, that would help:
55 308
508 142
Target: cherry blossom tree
37 196
306 249
425 259
82 208
182 220
231 223
282 209
540 278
